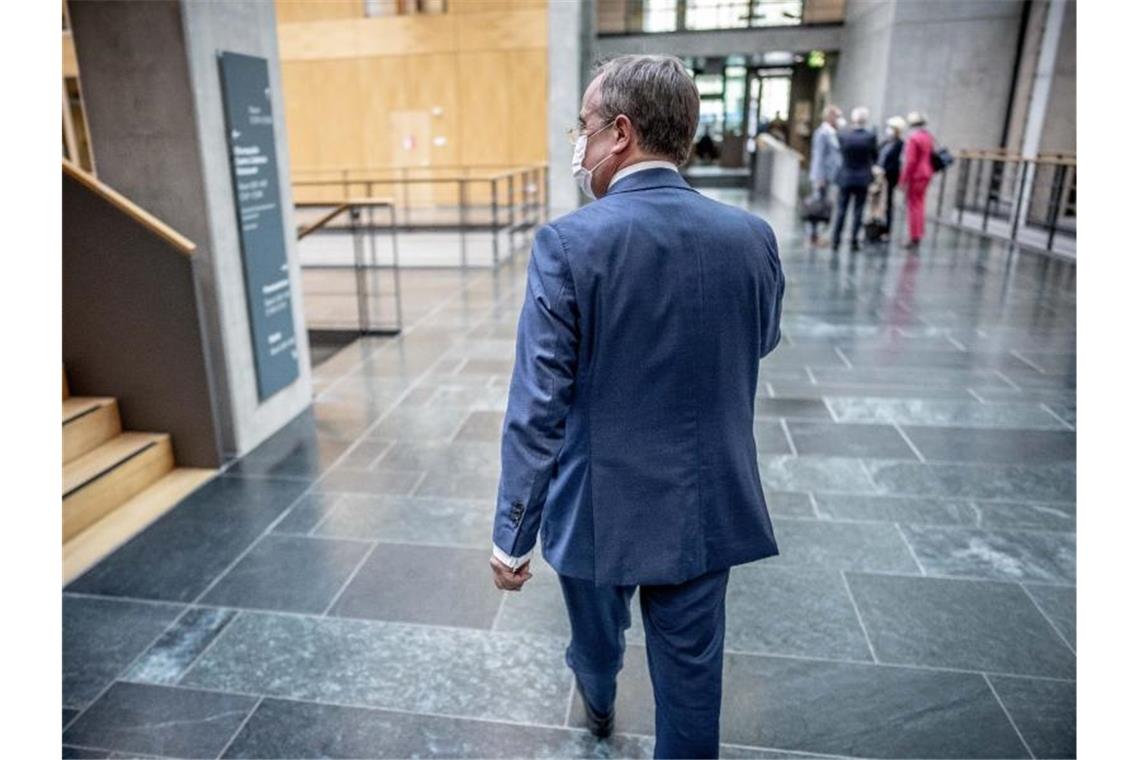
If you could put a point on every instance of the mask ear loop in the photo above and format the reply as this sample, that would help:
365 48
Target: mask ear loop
596 131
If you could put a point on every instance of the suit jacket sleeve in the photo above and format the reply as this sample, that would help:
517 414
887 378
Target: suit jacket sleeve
771 301
541 390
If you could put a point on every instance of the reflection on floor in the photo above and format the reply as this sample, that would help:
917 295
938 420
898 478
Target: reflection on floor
329 595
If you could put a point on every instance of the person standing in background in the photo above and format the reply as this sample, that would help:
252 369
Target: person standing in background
825 158
858 150
890 159
916 173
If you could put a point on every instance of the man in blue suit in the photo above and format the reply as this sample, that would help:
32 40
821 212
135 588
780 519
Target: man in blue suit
627 443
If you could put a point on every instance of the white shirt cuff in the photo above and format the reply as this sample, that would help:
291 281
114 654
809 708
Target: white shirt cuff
511 562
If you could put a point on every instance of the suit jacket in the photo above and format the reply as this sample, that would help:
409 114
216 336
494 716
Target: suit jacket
825 158
628 438
859 150
890 158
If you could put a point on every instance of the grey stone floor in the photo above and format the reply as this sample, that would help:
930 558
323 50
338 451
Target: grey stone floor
328 596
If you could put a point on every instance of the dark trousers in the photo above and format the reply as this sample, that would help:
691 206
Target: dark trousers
684 646
846 194
891 185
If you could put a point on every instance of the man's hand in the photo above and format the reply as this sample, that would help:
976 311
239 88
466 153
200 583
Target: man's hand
507 579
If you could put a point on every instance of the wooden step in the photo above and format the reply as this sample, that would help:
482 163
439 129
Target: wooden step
103 478
129 518
88 422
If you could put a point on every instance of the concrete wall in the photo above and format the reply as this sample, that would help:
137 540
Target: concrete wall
153 95
861 72
952 60
1059 132
570 50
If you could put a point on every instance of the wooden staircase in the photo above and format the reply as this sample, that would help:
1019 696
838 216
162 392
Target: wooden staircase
115 483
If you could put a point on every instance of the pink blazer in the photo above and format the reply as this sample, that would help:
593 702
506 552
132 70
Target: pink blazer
916 158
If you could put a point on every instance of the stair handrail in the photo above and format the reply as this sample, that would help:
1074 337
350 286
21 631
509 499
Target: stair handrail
175 239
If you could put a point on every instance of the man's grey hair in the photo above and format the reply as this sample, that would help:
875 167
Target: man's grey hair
859 116
658 96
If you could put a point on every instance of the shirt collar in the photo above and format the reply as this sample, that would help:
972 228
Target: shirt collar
641 166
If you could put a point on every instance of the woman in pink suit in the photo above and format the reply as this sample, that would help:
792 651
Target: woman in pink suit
916 174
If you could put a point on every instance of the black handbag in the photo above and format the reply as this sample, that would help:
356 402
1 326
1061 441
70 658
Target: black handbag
940 158
817 208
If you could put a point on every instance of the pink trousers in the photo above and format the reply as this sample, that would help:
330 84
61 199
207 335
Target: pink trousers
916 208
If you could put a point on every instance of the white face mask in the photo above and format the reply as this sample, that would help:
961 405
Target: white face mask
583 176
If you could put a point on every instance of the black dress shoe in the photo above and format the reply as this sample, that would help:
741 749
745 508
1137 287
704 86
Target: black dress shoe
600 725
855 245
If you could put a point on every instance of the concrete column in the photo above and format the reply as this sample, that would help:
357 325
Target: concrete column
570 58
1039 98
152 91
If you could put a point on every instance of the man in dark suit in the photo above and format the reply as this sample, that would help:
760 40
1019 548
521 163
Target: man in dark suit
628 439
858 149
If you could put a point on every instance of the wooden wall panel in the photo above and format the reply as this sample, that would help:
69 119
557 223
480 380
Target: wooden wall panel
461 7
503 31
527 91
485 128
319 40
382 89
478 73
292 11
405 35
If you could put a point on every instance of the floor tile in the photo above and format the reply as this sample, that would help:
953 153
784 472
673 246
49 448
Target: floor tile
423 584
962 444
793 611
838 708
307 512
792 407
935 378
460 456
770 437
785 473
289 729
288 573
806 389
841 545
1045 713
971 625
411 519
1054 482
433 424
446 671
182 552
849 440
179 646
446 483
900 509
160 720
101 637
938 412
1013 555
1059 603
288 454
397 482
788 504
1060 516
69 715
482 426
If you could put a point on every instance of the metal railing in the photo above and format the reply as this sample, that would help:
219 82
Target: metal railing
466 200
359 214
1028 201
